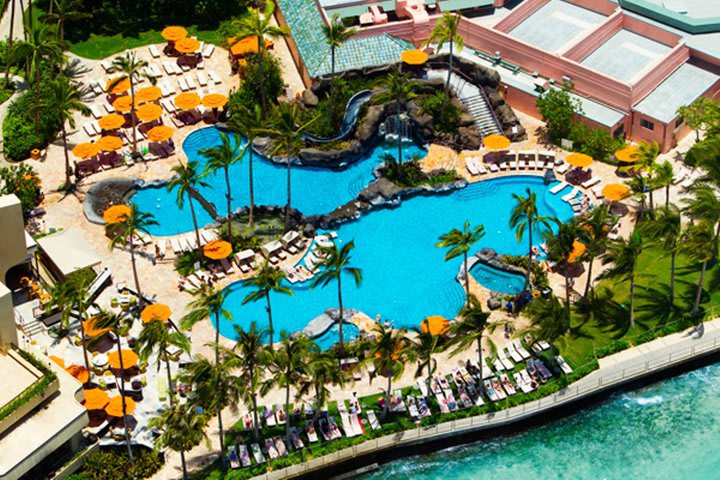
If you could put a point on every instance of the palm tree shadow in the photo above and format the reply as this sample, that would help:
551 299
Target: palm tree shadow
602 309
656 310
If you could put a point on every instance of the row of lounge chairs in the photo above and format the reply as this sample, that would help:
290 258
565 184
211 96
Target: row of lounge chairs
512 161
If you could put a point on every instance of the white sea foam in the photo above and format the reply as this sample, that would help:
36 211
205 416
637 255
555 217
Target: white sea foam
649 400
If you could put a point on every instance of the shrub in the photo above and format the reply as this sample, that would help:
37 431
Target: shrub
446 119
249 91
539 275
597 143
557 109
22 181
410 174
115 464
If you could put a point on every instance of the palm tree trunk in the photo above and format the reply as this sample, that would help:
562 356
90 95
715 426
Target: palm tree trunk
253 401
169 375
218 407
446 97
332 84
467 280
135 276
289 195
567 300
287 416
10 42
397 128
61 28
195 225
261 44
229 206
340 323
37 88
667 196
652 202
184 465
25 29
672 278
133 118
251 218
698 294
386 408
632 301
30 14
589 276
270 322
122 397
717 241
529 262
480 357
67 155
84 349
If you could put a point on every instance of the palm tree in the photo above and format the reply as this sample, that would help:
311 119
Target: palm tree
639 186
208 303
666 229
471 328
547 322
258 24
3 10
248 121
336 34
63 100
695 242
132 68
117 322
40 45
401 89
522 219
268 279
215 385
136 223
322 370
647 154
187 179
182 429
389 354
424 345
665 178
288 367
222 157
459 242
253 356
560 247
624 255
155 339
704 205
594 234
287 136
336 263
446 30
64 11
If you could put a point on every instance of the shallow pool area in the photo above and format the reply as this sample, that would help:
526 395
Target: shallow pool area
497 280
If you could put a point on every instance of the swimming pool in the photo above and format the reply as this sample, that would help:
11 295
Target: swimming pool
405 276
497 280
330 337
314 190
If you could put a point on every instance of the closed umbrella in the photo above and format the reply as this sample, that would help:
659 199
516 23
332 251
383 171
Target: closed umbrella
115 214
156 311
160 133
86 150
114 406
129 359
111 122
149 112
109 143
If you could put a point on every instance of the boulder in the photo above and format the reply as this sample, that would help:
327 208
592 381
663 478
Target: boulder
314 156
494 98
379 190
515 133
493 303
469 138
466 120
309 99
309 230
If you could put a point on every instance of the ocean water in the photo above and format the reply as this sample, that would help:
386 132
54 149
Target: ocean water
669 430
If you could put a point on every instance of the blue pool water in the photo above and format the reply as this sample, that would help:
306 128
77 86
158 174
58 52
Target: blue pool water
331 336
670 430
314 190
498 280
405 276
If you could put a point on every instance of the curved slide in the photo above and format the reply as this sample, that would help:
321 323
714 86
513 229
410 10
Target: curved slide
352 110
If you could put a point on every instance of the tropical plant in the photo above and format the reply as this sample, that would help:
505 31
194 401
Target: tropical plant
322 370
558 108
647 154
547 322
187 179
268 279
389 354
695 242
22 181
336 263
446 30
182 429
222 157
699 114
65 11
704 205
134 224
336 34
259 24
594 234
560 248
207 303
523 218
471 327
666 229
400 89
424 346
639 186
665 178
155 338
63 100
458 242
624 255
134 70
248 121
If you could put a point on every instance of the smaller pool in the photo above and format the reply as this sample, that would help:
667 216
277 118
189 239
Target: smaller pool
498 280
332 335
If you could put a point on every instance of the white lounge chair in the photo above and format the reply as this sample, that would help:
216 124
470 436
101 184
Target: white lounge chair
563 365
472 166
573 193
169 68
493 168
191 83
592 182
202 79
182 83
208 50
563 168
154 51
214 77
557 188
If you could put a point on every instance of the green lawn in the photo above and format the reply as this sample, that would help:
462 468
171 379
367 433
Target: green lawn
607 319
98 47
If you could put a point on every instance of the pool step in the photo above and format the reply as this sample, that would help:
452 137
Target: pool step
453 295
357 185
477 190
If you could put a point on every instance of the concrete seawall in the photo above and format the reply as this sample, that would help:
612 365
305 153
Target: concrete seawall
645 361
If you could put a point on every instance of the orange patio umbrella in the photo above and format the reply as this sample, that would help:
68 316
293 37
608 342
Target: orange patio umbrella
173 33
121 86
148 94
246 46
496 142
80 373
109 143
148 112
116 214
214 100
95 399
579 160
628 154
156 311
187 45
114 406
217 249
615 191
123 104
86 150
129 359
578 249
160 133
414 57
111 122
90 325
435 325
187 100
58 361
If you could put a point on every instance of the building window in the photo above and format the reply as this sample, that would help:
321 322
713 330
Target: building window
619 131
679 122
647 124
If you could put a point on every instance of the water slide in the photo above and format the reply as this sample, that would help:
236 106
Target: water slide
352 110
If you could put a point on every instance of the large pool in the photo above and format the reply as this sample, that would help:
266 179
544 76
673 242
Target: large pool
314 190
670 430
405 276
